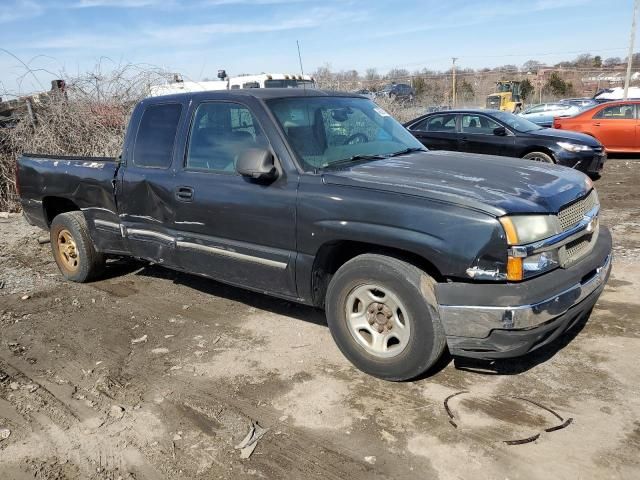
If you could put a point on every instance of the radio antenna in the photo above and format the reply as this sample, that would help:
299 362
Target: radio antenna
304 83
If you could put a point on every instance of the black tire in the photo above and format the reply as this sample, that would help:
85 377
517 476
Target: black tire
84 263
539 157
414 288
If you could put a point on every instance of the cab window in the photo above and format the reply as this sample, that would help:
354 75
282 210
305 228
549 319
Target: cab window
220 132
156 136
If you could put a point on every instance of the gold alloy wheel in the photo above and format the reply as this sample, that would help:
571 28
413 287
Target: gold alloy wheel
67 251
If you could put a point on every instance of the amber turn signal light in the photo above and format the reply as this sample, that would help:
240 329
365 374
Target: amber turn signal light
514 269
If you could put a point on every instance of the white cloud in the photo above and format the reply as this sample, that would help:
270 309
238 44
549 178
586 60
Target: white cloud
442 17
11 11
167 3
117 3
185 34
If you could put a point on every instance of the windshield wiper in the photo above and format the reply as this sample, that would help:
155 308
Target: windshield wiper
353 159
406 150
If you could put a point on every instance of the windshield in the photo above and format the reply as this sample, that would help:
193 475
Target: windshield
328 130
290 83
517 123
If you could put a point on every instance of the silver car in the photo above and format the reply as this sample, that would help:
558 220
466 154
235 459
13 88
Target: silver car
544 113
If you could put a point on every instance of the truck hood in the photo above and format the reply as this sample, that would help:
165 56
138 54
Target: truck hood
495 185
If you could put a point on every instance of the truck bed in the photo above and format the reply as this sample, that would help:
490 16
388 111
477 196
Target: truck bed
50 182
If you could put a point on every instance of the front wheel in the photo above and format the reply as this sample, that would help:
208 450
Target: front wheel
73 249
539 157
382 314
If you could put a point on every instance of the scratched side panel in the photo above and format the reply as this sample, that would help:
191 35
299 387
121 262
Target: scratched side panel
451 238
84 181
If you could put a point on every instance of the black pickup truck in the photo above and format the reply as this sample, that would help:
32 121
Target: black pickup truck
324 199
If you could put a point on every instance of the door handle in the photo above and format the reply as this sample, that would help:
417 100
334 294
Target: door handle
596 124
184 194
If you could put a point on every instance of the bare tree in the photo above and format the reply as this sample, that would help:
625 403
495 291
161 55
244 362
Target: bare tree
90 118
371 75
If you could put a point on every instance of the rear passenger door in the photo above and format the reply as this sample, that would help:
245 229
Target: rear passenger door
437 132
227 226
145 191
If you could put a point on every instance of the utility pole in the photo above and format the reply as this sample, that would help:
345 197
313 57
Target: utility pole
453 71
632 40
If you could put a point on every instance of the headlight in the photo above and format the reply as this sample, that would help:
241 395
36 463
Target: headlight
523 229
574 147
536 264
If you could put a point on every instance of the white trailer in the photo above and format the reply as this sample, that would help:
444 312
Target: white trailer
263 80
617 93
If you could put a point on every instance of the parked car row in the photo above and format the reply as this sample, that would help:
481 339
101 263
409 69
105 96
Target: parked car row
502 133
393 91
581 136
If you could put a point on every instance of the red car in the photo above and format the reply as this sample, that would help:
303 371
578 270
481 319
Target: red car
614 124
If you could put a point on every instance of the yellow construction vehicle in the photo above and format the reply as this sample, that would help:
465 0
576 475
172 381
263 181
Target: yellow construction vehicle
507 97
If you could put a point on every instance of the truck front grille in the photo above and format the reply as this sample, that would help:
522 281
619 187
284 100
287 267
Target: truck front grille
570 216
575 250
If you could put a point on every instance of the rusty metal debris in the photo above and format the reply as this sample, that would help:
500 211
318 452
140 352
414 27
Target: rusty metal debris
521 441
566 423
446 407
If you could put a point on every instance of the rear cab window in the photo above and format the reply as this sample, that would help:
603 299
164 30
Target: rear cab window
156 136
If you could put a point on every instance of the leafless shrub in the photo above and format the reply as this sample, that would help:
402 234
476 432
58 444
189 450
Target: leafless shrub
401 111
90 119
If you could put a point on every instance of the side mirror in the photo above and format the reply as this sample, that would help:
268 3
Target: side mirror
256 163
500 131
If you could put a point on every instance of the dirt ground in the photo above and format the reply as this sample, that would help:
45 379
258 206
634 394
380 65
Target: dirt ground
152 374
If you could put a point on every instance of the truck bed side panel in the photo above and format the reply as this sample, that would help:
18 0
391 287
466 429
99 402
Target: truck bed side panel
85 182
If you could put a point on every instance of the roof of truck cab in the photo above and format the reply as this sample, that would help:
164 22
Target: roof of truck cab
261 93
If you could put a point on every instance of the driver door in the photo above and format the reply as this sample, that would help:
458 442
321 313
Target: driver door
230 227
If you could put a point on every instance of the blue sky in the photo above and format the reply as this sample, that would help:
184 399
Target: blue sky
196 37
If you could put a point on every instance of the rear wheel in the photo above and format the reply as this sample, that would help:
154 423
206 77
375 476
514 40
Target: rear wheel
539 157
382 315
73 249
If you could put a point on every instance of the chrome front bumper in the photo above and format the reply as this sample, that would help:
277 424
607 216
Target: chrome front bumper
478 321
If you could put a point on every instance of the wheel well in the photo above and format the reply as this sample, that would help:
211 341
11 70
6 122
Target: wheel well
54 206
539 149
331 256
